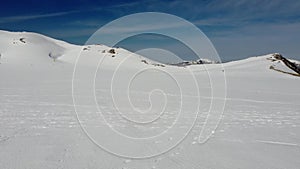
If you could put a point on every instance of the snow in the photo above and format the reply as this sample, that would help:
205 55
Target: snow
39 127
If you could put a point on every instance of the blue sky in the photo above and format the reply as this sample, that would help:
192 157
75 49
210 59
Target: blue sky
237 28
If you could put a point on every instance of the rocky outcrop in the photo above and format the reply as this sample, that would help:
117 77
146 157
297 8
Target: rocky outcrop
295 67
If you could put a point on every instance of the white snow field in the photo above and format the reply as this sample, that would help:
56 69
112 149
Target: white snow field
134 113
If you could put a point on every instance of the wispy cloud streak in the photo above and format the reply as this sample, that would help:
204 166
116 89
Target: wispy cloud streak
34 16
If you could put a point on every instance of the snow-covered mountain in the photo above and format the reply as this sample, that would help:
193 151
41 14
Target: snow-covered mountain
23 48
93 106
32 48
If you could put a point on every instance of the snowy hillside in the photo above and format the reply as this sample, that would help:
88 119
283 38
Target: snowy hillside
93 106
31 48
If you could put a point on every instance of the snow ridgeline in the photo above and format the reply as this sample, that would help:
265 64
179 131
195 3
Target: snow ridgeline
23 48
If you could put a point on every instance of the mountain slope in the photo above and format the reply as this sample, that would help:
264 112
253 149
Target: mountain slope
52 116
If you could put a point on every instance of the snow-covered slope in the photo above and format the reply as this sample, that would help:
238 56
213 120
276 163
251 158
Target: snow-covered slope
32 48
259 126
24 48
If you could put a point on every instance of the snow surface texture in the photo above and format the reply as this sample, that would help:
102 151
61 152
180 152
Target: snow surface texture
39 128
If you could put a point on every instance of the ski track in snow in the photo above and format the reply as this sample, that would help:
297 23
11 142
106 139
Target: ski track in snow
277 143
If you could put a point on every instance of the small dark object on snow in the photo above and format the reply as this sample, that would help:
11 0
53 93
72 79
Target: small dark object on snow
144 61
288 63
112 51
113 56
52 56
22 40
157 64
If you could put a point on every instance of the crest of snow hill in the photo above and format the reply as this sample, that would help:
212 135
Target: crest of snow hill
33 48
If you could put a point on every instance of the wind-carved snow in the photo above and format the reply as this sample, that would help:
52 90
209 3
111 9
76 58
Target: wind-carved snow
260 126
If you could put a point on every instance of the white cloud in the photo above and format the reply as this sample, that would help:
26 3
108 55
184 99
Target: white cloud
36 16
